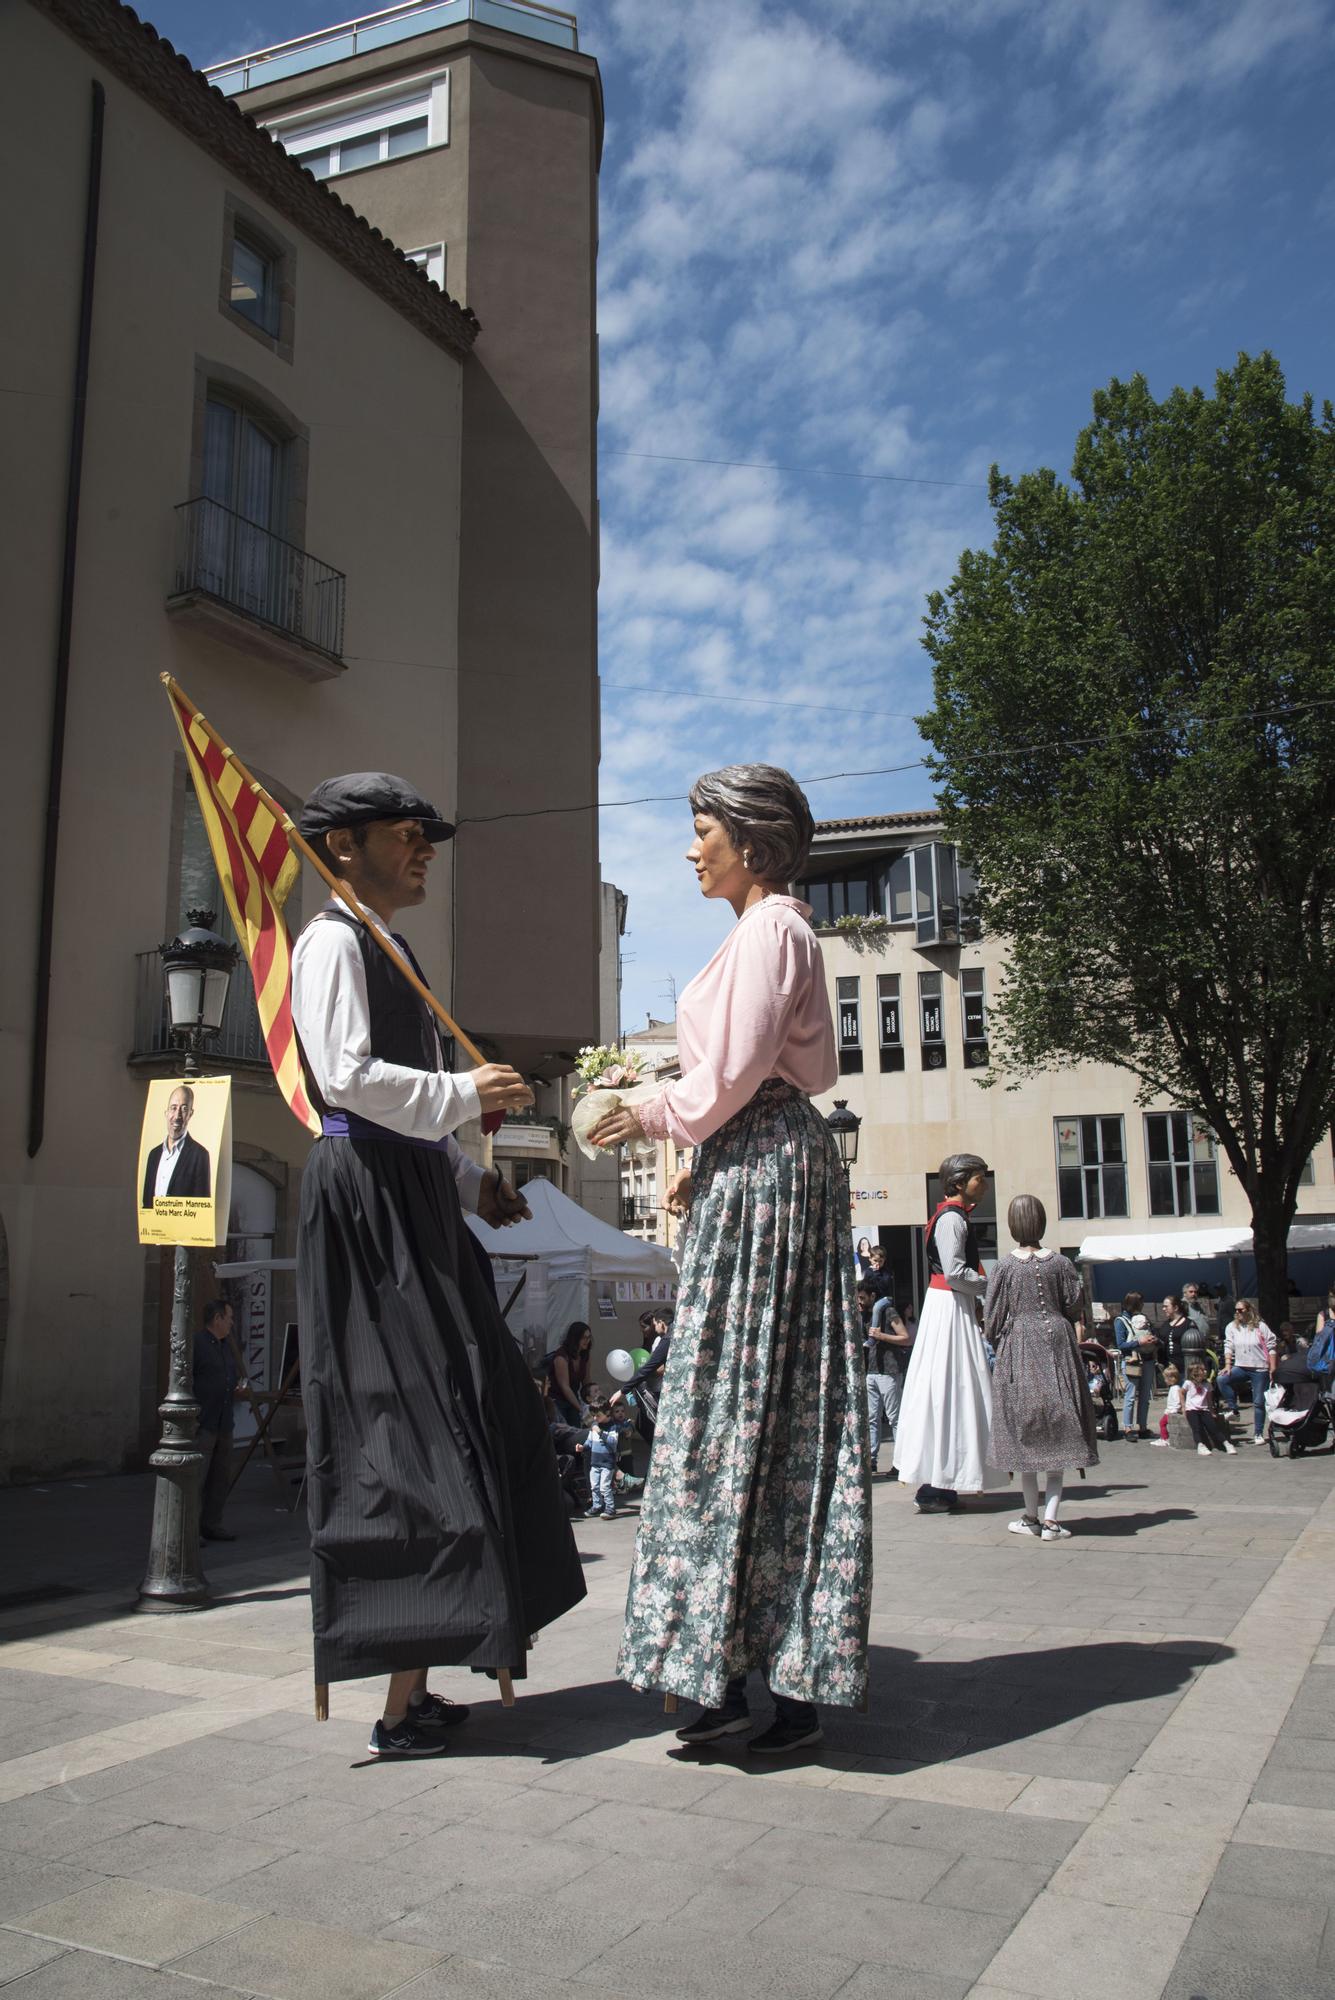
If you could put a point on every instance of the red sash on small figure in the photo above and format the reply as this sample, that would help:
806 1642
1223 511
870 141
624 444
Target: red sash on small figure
937 1281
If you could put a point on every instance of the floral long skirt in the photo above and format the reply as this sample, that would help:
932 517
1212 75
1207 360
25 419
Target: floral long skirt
754 1547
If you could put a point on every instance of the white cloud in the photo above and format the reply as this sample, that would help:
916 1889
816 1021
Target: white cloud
831 238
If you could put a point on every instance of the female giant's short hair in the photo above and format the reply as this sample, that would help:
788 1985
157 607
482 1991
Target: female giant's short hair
1026 1219
957 1169
761 809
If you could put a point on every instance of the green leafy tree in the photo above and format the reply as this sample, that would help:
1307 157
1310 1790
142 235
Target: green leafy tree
1134 734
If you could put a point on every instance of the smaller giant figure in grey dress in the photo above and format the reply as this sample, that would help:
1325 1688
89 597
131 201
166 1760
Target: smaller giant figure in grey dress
1043 1417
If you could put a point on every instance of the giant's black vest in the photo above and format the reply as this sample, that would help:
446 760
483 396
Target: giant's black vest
403 1028
971 1256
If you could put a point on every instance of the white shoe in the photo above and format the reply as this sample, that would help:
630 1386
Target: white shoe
1161 1444
1026 1525
1259 1440
1231 1449
1202 1451
1053 1531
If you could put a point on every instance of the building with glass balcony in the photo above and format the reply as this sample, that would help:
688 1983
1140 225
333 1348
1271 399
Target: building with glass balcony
912 972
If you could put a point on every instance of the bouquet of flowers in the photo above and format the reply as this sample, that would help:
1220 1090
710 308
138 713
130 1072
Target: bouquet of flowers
609 1077
604 1068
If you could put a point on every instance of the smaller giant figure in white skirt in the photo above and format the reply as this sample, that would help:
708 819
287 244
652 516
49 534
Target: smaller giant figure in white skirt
945 1417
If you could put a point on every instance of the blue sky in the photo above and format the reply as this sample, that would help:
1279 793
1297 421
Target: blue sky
900 238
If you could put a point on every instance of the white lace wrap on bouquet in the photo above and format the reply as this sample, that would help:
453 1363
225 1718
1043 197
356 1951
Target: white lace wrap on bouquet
592 1108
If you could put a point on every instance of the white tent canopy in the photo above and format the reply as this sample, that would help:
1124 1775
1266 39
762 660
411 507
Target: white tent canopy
1195 1243
578 1268
573 1242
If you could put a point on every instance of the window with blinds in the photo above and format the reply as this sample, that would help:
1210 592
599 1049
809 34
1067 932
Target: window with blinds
848 998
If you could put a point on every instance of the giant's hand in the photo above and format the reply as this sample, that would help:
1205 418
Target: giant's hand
677 1200
618 1128
500 1088
500 1204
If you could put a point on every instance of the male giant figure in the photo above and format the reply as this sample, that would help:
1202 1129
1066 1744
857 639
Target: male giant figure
438 1532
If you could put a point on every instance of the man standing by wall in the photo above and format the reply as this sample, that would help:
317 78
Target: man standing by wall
438 1532
217 1379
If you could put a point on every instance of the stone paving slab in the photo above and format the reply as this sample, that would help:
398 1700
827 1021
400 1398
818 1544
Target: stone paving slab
1095 1769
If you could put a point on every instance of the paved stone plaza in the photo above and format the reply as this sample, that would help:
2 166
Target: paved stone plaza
1090 1770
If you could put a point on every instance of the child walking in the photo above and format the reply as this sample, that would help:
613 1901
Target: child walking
601 1451
1043 1417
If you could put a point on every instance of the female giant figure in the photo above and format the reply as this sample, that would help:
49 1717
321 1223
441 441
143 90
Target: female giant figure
754 1549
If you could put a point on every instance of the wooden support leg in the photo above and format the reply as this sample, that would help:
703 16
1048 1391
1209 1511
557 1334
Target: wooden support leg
322 1701
506 1686
669 1704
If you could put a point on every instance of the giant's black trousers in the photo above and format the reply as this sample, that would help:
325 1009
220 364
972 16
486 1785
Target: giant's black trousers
438 1532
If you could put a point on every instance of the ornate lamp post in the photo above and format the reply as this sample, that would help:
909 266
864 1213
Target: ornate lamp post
197 967
845 1125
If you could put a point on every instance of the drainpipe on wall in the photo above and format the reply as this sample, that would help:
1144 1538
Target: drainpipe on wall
55 772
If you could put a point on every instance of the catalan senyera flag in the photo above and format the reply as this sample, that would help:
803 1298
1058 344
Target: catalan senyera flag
257 869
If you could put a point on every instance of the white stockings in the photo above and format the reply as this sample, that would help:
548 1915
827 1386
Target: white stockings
1052 1482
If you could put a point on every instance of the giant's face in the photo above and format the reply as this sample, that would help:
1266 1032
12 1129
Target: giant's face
180 1108
396 856
719 868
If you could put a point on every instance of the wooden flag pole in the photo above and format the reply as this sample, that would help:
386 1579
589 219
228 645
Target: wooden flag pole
332 881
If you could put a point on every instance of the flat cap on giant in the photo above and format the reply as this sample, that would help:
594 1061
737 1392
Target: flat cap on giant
361 796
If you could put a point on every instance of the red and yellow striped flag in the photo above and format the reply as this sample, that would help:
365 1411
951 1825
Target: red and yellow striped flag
257 869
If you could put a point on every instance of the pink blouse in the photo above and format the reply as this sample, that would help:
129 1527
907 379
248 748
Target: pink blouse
758 1009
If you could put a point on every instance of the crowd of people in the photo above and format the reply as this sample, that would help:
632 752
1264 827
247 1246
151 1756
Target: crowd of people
1202 1352
591 1428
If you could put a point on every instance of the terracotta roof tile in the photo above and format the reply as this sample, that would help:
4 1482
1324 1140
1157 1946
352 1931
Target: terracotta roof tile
928 816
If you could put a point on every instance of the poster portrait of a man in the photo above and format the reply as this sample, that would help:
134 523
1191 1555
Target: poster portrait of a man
178 1165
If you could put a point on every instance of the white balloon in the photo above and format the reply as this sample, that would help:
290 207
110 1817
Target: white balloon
620 1366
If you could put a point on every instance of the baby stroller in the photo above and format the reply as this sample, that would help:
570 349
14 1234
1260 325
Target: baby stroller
1303 1422
1099 1374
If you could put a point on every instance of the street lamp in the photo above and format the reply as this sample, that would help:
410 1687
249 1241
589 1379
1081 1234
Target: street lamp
197 968
845 1125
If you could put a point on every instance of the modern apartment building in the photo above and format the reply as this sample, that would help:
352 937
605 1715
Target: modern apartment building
645 1177
254 446
911 977
470 133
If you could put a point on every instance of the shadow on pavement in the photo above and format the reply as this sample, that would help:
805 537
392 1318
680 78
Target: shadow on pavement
261 1596
1135 1524
1007 1500
921 1710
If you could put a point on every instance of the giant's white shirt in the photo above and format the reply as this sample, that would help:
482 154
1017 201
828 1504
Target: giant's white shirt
333 1018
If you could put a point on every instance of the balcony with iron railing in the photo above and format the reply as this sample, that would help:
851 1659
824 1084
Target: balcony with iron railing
369 32
238 1045
253 588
